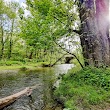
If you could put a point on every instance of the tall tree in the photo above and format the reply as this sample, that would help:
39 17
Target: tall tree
94 33
2 22
14 7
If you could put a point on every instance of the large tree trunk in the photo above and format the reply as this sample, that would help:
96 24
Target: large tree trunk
94 16
31 54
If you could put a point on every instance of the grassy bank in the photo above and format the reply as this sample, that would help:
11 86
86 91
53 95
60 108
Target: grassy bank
87 89
10 65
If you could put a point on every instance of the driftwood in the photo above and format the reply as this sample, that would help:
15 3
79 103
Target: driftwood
12 98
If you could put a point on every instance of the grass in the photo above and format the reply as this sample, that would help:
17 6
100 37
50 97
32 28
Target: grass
16 67
11 65
85 88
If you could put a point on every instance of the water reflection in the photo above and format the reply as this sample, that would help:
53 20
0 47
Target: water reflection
63 68
42 97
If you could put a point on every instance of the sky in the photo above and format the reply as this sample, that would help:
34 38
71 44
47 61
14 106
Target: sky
22 3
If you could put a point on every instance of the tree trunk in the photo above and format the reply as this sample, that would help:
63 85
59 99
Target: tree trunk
11 41
2 43
10 49
31 54
95 41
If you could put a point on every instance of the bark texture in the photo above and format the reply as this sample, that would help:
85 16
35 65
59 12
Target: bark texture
95 41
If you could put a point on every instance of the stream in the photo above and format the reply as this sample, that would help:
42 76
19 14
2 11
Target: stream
42 97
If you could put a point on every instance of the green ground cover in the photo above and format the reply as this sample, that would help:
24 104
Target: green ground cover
10 65
85 89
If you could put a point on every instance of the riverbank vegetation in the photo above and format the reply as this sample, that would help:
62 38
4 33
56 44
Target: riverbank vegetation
13 65
85 89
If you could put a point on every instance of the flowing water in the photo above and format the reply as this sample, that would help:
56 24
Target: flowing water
42 97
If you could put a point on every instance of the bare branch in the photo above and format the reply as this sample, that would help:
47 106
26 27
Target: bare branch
69 53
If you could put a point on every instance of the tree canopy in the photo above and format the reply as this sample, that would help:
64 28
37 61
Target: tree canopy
57 23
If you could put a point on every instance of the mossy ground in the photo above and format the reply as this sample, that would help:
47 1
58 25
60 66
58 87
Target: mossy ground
87 89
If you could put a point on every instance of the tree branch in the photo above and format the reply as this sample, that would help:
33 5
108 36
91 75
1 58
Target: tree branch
69 53
70 30
58 59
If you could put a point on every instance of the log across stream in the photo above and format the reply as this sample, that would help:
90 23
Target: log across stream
15 86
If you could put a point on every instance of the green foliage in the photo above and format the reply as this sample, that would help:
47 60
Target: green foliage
94 76
23 69
10 63
29 37
2 7
90 86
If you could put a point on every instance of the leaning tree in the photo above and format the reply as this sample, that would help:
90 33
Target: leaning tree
94 31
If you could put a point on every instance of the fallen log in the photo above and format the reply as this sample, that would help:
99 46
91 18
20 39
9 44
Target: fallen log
12 98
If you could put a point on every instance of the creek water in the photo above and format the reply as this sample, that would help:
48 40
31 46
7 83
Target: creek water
42 97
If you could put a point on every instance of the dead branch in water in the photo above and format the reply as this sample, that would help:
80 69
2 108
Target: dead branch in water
12 98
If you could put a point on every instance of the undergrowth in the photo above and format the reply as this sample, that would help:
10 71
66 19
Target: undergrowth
85 88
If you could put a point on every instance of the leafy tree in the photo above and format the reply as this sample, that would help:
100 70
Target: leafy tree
35 30
2 19
57 21
14 7
9 27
